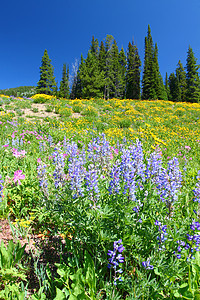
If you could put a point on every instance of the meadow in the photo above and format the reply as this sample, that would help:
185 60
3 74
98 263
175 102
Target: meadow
101 197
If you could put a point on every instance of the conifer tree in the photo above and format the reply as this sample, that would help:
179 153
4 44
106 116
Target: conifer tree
181 78
158 81
102 64
91 78
192 78
167 86
152 82
64 84
46 84
122 73
94 48
114 71
133 73
174 88
108 67
148 91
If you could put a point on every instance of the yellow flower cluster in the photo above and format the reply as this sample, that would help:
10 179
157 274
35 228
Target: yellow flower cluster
44 96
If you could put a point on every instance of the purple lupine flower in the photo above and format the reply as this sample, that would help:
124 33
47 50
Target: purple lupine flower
15 142
41 146
154 165
146 265
58 174
1 188
50 140
91 181
76 173
128 173
197 189
114 185
137 156
136 209
42 176
162 234
100 153
168 183
115 259
192 243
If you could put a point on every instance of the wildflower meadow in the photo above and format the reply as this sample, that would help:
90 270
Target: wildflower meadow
104 195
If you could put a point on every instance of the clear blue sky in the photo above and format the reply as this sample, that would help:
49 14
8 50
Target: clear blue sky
65 28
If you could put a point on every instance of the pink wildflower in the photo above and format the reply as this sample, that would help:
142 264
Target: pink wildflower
17 176
188 148
17 153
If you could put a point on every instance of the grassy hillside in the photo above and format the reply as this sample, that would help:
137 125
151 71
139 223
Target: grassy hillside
104 194
21 91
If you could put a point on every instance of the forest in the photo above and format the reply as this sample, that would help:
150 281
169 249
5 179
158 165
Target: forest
108 72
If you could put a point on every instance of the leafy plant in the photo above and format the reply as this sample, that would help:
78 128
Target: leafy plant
11 270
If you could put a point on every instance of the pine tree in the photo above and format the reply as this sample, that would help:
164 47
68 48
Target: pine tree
102 64
91 78
133 73
46 84
152 82
181 78
122 73
158 81
94 48
114 71
192 78
148 91
108 67
173 87
64 84
167 86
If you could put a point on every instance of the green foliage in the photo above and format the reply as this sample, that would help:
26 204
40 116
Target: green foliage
152 83
133 73
21 91
91 77
192 77
64 84
90 111
181 77
46 84
11 270
174 89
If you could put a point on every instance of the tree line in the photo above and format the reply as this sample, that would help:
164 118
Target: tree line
108 72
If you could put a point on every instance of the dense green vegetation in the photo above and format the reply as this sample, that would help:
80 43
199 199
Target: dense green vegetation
109 73
105 194
21 91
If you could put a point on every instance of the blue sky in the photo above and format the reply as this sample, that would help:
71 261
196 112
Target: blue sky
65 28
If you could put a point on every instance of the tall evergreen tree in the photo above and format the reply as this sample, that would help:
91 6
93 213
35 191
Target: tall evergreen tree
102 64
181 78
122 73
91 77
192 77
64 84
148 91
46 84
133 73
114 71
94 48
108 67
158 81
174 88
167 86
152 82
